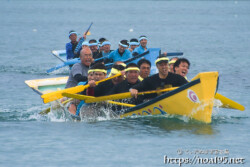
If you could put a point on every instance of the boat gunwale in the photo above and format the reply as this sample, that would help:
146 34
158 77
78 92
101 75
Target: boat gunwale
163 96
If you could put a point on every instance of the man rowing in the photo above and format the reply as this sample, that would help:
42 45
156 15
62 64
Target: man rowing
161 80
142 47
70 47
181 67
133 43
144 66
79 71
120 54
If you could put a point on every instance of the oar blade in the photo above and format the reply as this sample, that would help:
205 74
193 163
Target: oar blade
49 97
228 103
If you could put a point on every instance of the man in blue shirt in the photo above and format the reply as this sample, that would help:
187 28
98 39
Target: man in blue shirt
142 47
120 54
72 45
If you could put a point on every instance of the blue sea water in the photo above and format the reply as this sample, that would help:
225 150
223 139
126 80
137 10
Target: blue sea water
214 36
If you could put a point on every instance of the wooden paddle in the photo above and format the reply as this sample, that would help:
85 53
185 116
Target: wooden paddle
49 97
79 45
121 104
228 103
90 99
46 111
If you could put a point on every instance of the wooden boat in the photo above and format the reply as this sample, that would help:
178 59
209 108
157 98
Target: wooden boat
46 85
194 100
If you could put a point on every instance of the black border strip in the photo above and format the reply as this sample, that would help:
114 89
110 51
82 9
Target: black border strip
163 96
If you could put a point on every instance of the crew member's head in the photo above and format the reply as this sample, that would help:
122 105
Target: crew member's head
73 36
117 68
133 43
144 66
93 45
99 70
143 41
106 46
132 73
86 56
171 64
162 65
123 44
100 41
181 66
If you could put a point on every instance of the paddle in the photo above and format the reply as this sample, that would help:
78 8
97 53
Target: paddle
173 54
79 45
69 62
90 99
46 111
228 103
121 104
58 94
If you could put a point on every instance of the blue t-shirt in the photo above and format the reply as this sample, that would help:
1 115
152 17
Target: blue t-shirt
139 50
115 55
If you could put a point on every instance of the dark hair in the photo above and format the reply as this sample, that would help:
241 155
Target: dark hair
133 40
98 65
124 41
71 31
101 40
131 65
143 60
174 58
118 67
92 41
178 62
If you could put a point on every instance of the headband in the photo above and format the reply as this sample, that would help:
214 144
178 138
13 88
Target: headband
125 46
90 71
134 43
93 44
73 32
161 59
85 43
105 43
172 62
114 71
143 38
132 68
100 70
122 64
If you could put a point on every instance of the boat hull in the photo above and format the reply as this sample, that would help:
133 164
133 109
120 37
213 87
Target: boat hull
47 85
193 100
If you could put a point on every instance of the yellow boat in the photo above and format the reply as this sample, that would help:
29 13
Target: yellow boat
194 99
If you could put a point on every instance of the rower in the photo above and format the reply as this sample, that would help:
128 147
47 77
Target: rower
106 48
144 66
93 45
99 73
120 54
105 87
96 72
70 47
100 41
161 80
171 64
133 43
132 74
79 71
181 67
142 47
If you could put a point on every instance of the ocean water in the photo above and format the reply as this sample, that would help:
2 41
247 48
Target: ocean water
214 36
